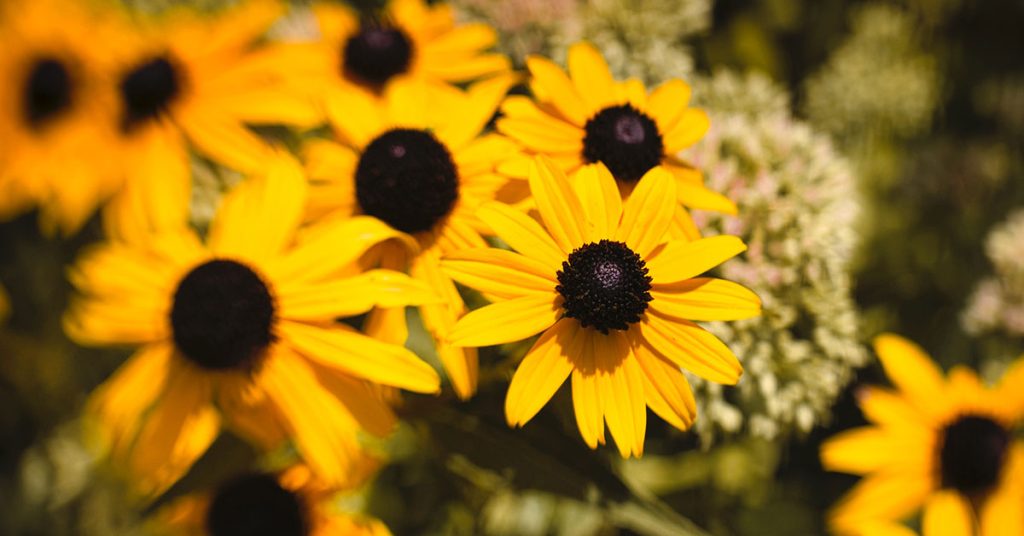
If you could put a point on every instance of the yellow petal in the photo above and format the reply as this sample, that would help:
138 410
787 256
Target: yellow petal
358 397
591 76
690 128
127 320
683 227
647 214
468 37
705 299
679 261
667 103
499 272
179 429
344 349
258 219
911 370
699 197
507 321
324 431
557 203
543 370
600 200
1010 390
691 347
622 382
226 141
352 296
947 514
870 449
543 134
666 390
553 83
522 233
880 496
475 111
587 401
333 246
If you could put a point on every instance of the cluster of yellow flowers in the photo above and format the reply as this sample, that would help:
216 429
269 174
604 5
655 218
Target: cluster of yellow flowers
240 327
399 199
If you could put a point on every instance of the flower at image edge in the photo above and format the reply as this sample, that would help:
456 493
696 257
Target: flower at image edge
243 329
946 445
613 301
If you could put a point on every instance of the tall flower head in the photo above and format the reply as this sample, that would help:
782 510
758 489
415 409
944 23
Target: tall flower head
613 300
419 164
945 444
55 137
242 330
586 117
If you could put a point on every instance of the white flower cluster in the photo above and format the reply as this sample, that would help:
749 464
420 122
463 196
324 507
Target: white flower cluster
797 213
997 304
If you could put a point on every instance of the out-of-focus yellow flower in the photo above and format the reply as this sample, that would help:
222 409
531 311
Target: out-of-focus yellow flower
242 328
293 503
188 81
418 163
56 136
944 444
613 301
587 117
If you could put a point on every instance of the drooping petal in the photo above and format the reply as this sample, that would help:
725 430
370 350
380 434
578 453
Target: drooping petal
544 369
889 495
507 321
177 430
622 382
587 401
666 389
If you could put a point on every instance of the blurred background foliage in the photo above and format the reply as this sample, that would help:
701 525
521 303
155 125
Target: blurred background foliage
875 151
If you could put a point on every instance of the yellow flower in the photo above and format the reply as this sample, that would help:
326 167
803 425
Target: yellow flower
944 444
587 117
243 329
191 81
410 39
293 503
420 165
614 302
55 136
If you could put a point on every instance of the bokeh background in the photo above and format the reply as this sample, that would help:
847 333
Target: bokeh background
875 152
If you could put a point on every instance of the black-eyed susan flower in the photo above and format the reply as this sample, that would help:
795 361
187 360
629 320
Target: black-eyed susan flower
946 445
242 330
613 300
292 503
586 116
55 139
185 82
408 39
420 165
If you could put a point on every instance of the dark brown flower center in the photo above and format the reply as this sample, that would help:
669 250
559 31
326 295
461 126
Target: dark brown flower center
625 139
47 92
604 285
148 90
407 179
256 505
222 316
972 454
376 54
